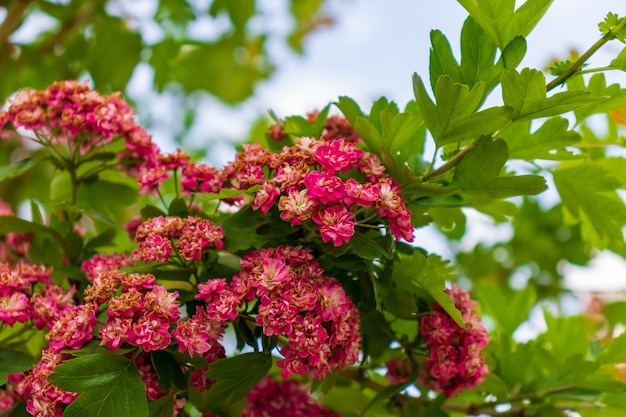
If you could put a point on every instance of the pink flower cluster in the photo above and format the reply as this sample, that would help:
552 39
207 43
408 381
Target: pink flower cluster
297 300
192 235
140 313
455 362
317 181
194 177
105 262
270 398
43 399
70 114
18 305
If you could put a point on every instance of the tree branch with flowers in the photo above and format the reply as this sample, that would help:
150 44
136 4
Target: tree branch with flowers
290 281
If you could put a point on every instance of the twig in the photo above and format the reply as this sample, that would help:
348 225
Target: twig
584 57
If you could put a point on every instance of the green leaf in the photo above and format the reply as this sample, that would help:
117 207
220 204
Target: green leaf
400 303
178 207
168 370
549 142
16 168
442 61
14 362
110 386
478 173
15 224
508 310
452 117
350 109
619 61
370 135
383 394
525 93
615 351
235 377
150 211
162 407
109 34
429 274
478 52
240 230
500 19
367 248
589 199
610 97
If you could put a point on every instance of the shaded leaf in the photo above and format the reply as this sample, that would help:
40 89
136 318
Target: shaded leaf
235 377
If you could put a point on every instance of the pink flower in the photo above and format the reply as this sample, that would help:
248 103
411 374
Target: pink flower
154 248
43 398
14 308
296 206
74 329
285 399
151 179
150 332
221 303
201 178
199 334
455 362
336 224
265 198
324 187
338 155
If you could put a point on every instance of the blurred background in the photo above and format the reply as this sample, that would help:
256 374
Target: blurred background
201 73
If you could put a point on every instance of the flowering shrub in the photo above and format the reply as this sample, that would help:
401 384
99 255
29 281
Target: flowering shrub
291 281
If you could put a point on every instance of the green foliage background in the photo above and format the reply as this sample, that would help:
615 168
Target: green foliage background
568 367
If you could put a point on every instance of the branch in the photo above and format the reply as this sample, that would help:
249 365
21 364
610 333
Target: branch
12 21
71 24
450 163
584 57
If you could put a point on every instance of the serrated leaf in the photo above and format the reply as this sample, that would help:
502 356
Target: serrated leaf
614 351
508 310
525 93
429 274
350 109
235 377
611 97
442 61
451 117
478 173
619 61
549 142
589 199
499 19
16 168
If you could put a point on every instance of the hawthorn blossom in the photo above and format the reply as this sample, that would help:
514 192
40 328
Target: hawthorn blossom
159 236
285 399
71 115
105 262
198 334
308 308
43 399
455 362
336 224
139 313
